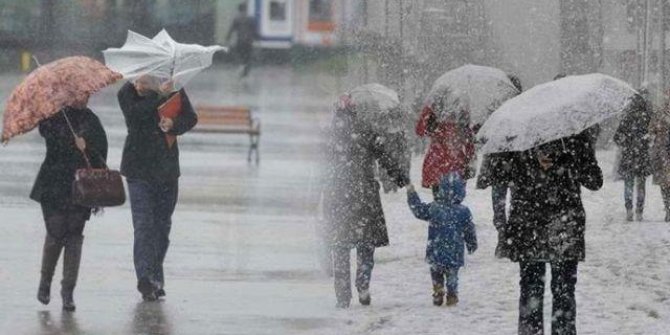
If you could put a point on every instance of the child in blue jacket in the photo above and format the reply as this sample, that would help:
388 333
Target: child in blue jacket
449 231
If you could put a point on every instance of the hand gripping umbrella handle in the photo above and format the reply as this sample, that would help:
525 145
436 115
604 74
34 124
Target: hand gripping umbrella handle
74 134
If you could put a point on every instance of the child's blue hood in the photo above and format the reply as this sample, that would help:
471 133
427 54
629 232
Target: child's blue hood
452 189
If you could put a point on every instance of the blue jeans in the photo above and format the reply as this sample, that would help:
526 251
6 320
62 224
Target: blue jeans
365 261
440 275
629 185
152 205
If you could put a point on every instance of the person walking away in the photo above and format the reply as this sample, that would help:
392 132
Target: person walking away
244 27
64 220
660 153
632 137
352 205
494 166
451 141
450 230
546 226
151 168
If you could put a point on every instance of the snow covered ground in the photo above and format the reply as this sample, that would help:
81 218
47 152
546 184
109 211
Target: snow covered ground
242 258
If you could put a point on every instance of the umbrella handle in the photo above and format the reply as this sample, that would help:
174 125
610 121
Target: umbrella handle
74 134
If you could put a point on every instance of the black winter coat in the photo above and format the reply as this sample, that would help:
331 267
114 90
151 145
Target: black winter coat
632 137
352 204
53 186
146 154
547 218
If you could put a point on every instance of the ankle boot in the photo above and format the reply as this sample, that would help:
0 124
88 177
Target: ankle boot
50 254
71 260
438 295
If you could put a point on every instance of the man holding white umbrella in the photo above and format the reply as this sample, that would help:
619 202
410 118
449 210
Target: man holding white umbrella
155 115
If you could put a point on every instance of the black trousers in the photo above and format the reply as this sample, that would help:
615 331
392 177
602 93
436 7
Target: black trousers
564 311
62 222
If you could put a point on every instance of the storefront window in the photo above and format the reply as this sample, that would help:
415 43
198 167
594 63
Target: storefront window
277 10
320 10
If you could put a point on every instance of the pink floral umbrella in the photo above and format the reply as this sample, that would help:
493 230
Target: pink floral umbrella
49 88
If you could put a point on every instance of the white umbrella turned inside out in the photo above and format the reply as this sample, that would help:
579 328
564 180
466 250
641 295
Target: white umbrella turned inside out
554 110
161 57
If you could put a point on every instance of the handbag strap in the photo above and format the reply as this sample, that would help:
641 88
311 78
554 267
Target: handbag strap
83 152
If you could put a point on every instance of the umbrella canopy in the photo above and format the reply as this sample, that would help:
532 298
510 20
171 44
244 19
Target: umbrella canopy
376 105
49 88
161 57
553 111
479 89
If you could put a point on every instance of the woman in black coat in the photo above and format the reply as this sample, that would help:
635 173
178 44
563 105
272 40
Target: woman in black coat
632 137
547 224
64 220
352 205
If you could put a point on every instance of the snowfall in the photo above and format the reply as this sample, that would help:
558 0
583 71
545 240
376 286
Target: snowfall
243 253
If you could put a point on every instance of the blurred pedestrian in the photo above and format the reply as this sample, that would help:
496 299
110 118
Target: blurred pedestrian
450 230
151 167
352 204
546 226
447 123
632 137
492 171
64 220
244 27
660 152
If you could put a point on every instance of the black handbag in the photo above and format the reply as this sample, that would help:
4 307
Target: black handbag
96 187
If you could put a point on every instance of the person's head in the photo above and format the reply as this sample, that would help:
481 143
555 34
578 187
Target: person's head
560 76
451 189
516 82
146 84
242 8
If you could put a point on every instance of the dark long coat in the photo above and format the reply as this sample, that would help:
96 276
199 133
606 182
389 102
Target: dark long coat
352 205
146 154
53 186
633 137
547 219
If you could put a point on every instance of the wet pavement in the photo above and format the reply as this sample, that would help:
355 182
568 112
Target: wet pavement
242 256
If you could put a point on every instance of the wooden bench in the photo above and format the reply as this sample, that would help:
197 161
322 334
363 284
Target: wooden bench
230 120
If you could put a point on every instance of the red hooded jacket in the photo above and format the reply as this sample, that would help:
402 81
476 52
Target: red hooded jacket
451 148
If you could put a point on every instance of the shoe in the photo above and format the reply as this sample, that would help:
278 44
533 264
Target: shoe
667 216
629 215
452 299
68 301
148 290
364 297
160 293
638 216
438 298
44 291
342 304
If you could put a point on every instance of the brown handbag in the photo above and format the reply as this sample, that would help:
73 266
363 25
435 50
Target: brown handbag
96 187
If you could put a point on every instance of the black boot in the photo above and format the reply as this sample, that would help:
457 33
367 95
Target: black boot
50 254
71 260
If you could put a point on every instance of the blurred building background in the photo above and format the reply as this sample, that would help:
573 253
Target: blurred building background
405 44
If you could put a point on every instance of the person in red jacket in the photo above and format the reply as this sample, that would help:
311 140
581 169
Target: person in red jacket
451 143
